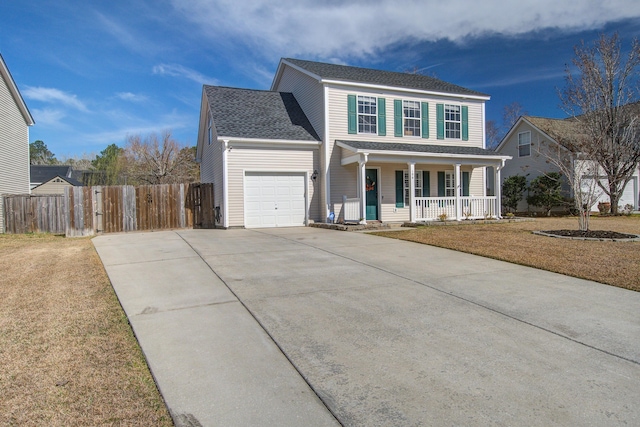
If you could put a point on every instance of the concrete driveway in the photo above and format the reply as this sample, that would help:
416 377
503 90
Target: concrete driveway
303 326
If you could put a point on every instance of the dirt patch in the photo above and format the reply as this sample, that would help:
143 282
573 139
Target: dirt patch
68 356
613 263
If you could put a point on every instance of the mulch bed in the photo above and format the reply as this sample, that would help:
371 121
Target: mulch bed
591 234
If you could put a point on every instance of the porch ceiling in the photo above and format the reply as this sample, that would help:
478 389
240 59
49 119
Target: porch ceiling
385 152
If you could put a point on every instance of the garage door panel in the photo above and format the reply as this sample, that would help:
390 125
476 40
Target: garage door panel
275 199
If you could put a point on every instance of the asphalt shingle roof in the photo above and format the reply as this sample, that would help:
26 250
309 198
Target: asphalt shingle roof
43 173
419 148
259 114
380 77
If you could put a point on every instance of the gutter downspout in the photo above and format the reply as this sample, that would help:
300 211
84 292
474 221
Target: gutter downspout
225 183
326 172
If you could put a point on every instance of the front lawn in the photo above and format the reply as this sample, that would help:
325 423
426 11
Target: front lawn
613 263
68 356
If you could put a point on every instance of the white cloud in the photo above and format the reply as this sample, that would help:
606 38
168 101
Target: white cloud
48 116
52 95
362 27
177 70
133 97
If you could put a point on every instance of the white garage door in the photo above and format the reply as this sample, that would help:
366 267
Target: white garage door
274 199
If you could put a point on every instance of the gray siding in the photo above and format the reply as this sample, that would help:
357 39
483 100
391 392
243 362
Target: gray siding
531 166
14 148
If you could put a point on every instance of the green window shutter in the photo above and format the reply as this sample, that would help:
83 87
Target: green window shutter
465 123
382 117
399 189
441 191
465 184
353 116
397 117
425 120
426 184
440 120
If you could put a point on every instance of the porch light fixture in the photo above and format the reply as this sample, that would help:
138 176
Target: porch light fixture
314 175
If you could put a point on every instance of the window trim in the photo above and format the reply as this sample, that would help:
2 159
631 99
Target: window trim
449 121
405 185
450 191
373 116
417 118
521 145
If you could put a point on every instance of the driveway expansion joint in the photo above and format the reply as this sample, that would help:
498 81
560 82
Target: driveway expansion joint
469 301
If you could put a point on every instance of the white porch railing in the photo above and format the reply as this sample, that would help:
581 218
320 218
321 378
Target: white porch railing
431 208
351 209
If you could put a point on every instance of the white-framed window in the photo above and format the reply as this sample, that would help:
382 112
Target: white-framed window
524 144
449 184
210 130
452 121
418 184
367 114
411 115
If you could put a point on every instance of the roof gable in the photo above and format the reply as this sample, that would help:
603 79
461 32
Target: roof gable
357 75
258 114
44 173
15 93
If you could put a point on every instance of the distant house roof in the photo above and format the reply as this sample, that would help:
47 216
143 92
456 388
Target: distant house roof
44 173
559 130
258 114
71 181
15 93
418 148
381 78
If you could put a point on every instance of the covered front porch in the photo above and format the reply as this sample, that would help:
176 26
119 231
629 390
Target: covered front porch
430 182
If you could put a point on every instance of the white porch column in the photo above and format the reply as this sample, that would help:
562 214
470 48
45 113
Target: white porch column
362 182
498 190
412 191
458 187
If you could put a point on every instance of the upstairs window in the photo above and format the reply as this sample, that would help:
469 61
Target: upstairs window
411 114
524 144
452 121
367 114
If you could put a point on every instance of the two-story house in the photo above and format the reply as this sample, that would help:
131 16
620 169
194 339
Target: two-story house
15 120
338 143
528 142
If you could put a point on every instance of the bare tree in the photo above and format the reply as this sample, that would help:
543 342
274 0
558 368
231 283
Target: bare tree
601 97
510 115
493 134
158 159
579 174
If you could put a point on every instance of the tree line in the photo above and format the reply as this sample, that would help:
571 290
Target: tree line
151 159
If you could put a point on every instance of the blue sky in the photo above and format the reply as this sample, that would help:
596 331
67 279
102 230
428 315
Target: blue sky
93 72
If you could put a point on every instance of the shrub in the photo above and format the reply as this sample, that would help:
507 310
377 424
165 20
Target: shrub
512 189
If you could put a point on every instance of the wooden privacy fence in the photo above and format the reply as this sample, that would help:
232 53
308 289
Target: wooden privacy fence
84 211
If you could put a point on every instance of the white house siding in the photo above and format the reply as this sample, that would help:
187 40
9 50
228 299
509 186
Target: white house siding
270 160
308 92
14 148
344 179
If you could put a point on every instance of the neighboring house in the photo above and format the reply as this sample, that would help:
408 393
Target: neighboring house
333 142
526 142
15 120
49 179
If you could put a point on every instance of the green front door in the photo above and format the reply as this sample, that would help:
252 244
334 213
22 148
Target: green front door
371 187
